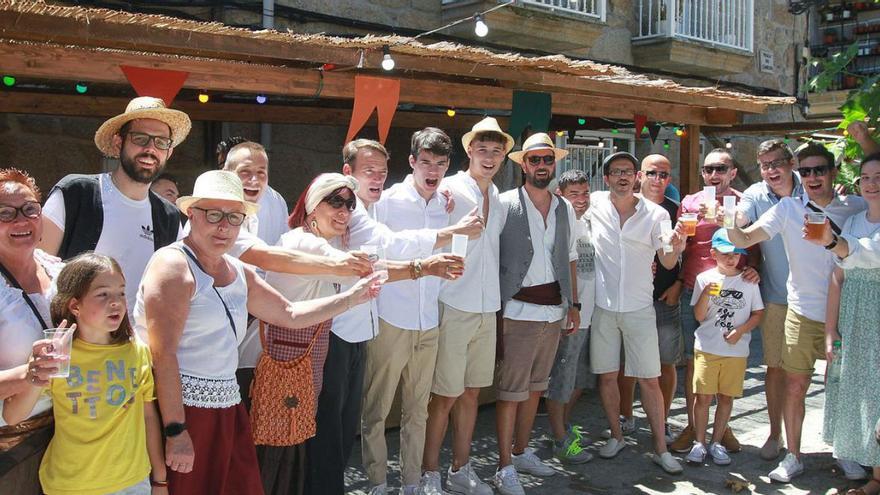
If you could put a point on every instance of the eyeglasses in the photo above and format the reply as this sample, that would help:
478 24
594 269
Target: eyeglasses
774 164
820 171
336 202
30 209
654 173
617 172
536 160
711 169
216 216
143 140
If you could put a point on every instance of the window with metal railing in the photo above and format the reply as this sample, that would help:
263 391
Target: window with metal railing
723 23
590 8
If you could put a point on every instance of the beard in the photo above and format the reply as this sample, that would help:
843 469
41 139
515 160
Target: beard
135 173
539 183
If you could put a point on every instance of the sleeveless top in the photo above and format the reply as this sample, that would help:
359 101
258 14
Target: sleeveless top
207 352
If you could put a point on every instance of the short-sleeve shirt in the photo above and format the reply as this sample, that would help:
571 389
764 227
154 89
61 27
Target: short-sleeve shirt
697 257
100 443
586 269
664 278
729 309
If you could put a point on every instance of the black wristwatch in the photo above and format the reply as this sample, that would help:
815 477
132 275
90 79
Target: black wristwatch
833 242
174 429
576 306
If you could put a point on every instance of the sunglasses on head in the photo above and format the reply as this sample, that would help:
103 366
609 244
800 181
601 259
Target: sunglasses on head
143 140
536 160
30 209
216 216
710 169
655 173
336 202
819 171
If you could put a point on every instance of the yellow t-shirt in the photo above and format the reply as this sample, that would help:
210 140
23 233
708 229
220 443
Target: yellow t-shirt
100 442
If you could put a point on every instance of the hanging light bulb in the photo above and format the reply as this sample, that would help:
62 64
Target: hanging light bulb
614 131
450 112
560 133
480 27
679 131
582 121
786 140
601 144
727 143
387 61
81 88
261 99
204 97
665 144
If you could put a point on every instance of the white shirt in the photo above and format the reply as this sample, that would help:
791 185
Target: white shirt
272 216
810 265
586 269
624 254
410 304
863 240
478 289
732 307
542 235
127 233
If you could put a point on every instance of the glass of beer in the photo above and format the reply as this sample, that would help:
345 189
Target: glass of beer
689 220
716 290
815 225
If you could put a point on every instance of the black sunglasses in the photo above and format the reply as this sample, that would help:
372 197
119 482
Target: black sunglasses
336 202
143 140
30 209
655 173
710 169
536 160
820 171
216 216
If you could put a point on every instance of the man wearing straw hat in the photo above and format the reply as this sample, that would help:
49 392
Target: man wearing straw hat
115 213
539 295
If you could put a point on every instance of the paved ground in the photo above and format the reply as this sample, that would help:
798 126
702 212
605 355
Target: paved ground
633 472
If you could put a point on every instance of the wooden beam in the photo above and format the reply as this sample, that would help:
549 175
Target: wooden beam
102 32
689 160
71 63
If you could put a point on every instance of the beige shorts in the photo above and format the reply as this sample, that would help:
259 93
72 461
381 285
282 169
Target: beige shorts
804 343
529 352
466 351
636 331
773 333
715 374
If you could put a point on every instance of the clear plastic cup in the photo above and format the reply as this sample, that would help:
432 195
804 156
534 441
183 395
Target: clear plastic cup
709 201
666 235
62 342
689 220
729 212
815 225
459 245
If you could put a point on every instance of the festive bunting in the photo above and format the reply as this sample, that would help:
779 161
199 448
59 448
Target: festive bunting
158 83
530 110
373 93
654 131
640 121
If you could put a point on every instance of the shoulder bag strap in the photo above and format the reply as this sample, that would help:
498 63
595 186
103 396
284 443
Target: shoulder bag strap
225 307
25 295
815 208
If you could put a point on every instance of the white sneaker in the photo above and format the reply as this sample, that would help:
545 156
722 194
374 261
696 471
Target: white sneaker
611 448
430 484
466 482
668 463
628 426
528 462
697 454
379 489
719 454
852 470
787 469
507 481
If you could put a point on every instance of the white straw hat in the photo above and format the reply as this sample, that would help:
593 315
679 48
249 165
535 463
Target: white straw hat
539 141
143 107
217 184
489 124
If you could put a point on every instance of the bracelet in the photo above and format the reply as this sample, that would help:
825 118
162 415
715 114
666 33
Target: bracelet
418 269
833 242
158 484
412 270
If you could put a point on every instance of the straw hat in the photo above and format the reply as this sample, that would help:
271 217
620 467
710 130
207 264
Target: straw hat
539 141
143 107
489 124
217 184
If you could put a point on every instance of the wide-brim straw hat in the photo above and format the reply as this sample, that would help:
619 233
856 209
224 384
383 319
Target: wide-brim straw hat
539 141
489 124
143 107
217 184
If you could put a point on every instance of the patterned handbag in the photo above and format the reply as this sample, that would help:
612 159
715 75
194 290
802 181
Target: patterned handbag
283 402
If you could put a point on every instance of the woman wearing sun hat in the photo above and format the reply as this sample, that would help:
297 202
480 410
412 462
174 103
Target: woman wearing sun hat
192 309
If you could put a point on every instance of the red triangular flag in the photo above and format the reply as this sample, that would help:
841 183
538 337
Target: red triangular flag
640 121
158 83
369 93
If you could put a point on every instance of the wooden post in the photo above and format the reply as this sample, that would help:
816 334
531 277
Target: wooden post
689 160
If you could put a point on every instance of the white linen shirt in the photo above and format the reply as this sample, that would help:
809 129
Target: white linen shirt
478 289
624 254
543 235
863 240
410 304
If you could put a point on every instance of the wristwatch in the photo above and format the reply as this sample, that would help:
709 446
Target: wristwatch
576 306
174 429
831 245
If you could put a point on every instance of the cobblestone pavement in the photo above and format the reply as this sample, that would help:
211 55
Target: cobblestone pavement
632 470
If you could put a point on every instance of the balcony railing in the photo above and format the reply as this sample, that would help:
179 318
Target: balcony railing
725 23
591 8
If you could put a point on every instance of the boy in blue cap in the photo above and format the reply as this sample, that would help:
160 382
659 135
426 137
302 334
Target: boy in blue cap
728 308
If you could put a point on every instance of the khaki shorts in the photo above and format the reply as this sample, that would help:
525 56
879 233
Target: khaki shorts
773 333
804 343
636 331
466 352
529 352
715 374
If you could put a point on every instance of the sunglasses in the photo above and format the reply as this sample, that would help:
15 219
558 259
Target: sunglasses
820 171
774 164
336 202
216 216
654 173
711 169
536 160
143 140
30 209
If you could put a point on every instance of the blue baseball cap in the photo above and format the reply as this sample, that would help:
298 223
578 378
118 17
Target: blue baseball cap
722 244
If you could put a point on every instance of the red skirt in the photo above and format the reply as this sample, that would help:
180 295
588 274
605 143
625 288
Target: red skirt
225 457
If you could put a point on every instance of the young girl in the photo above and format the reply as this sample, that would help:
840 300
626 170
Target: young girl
107 434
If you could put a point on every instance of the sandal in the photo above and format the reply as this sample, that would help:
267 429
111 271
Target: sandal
861 490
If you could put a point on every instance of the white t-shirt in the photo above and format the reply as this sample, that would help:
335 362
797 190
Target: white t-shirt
586 269
126 236
728 310
272 216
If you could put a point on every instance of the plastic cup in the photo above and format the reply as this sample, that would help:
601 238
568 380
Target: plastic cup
815 225
459 245
62 341
729 212
376 255
709 201
716 291
689 220
666 235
